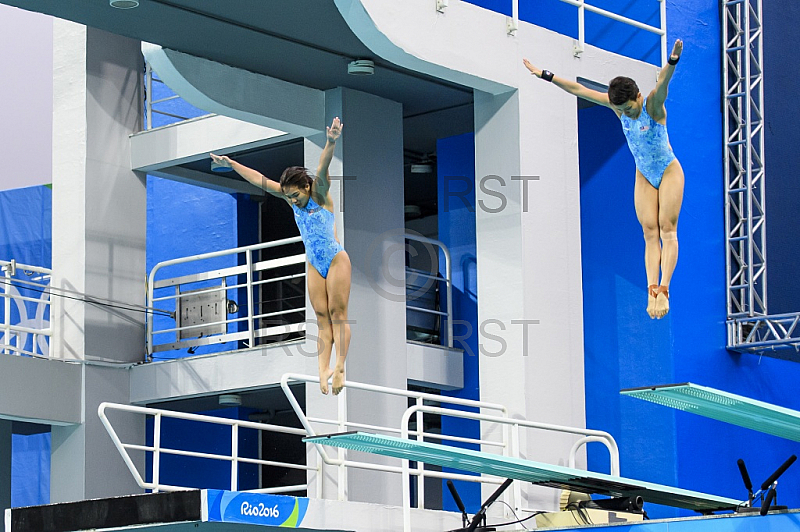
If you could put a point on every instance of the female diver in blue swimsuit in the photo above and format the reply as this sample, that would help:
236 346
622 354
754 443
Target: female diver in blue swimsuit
658 192
329 265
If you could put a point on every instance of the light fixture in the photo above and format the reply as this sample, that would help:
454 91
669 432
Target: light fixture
230 399
412 211
422 168
123 4
361 67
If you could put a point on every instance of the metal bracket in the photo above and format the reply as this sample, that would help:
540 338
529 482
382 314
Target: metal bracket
511 25
440 5
11 268
577 48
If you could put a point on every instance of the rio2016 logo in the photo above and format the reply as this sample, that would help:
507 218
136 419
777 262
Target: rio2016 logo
260 510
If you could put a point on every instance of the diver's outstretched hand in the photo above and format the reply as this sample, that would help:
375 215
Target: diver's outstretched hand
535 71
335 130
222 160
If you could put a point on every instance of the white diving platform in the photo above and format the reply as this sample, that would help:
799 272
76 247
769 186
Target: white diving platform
516 468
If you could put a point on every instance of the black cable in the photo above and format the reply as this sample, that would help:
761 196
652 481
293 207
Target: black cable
534 514
110 305
579 510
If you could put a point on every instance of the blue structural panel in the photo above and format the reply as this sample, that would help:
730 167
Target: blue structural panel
526 470
255 508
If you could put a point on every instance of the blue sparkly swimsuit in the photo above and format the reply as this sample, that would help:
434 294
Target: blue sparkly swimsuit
649 144
316 228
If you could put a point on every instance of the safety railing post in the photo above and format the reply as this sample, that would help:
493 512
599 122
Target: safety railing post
513 451
405 466
251 334
156 451
580 46
663 18
448 268
149 95
420 465
234 457
512 24
448 280
7 273
342 469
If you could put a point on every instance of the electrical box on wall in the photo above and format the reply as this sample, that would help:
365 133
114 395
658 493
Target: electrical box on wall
199 307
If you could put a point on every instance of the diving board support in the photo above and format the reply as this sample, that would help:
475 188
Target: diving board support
723 406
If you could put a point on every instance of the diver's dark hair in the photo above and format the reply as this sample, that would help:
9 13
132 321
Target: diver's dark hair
622 90
296 176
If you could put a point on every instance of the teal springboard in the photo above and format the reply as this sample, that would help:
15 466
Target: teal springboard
724 406
537 473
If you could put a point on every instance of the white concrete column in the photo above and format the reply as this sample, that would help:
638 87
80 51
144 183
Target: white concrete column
99 222
370 224
99 204
528 248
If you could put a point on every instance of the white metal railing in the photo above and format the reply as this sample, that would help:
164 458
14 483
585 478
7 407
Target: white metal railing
168 293
508 443
342 424
513 23
158 448
511 450
446 316
150 103
157 106
20 322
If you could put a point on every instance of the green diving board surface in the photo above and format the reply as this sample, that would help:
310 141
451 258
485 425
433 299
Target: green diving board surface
538 473
724 406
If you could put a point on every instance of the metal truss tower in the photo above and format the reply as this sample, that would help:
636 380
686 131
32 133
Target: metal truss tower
750 327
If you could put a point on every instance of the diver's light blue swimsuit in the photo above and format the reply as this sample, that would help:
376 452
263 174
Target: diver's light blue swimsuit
649 144
316 228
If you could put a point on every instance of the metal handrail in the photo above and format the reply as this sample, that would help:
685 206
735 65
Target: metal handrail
343 424
149 102
19 332
448 280
513 450
509 446
582 6
248 269
158 449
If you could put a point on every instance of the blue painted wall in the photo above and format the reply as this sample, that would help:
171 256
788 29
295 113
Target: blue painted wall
185 220
30 469
782 158
624 348
26 225
187 471
25 236
456 193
